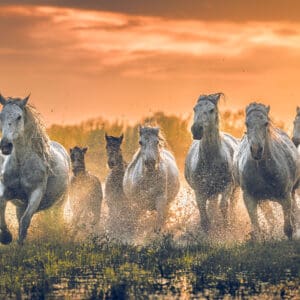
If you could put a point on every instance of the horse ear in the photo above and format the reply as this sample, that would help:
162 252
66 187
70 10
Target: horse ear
214 98
85 149
71 149
268 108
156 130
2 100
121 138
298 110
24 101
106 136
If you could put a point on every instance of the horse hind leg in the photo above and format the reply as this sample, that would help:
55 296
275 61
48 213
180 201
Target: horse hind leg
5 235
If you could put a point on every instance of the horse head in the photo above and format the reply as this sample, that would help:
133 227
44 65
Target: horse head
206 115
149 146
257 123
12 119
113 150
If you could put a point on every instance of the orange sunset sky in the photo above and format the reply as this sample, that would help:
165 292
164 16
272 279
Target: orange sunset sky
123 59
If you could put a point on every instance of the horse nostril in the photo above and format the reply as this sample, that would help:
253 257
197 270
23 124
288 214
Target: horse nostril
256 151
197 131
6 147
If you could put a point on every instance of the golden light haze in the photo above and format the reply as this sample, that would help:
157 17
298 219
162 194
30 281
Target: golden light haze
83 63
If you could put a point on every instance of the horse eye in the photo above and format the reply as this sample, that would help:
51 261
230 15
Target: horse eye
19 118
140 142
211 111
247 124
266 124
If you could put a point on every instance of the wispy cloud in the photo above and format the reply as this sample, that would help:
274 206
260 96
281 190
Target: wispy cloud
85 48
119 38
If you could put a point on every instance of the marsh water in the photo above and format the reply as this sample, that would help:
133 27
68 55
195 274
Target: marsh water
179 263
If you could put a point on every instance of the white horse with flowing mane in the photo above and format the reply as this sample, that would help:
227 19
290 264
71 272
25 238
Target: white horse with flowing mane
209 162
151 180
267 167
35 171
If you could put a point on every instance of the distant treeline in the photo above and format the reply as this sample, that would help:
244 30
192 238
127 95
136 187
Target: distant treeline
91 133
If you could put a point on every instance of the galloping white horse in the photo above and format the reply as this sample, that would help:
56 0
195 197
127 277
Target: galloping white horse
209 163
35 172
151 179
267 167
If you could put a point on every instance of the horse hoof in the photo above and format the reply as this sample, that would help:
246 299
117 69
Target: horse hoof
5 237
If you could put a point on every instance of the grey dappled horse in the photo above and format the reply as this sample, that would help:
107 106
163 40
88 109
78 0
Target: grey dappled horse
114 193
85 194
296 129
35 171
121 215
209 162
152 179
266 166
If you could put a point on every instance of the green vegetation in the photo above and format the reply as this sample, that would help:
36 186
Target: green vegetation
102 269
176 130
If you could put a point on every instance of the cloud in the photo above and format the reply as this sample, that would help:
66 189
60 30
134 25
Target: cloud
205 10
119 38
65 55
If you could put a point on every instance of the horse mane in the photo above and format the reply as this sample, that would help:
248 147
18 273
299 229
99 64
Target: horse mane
36 133
274 131
255 106
161 136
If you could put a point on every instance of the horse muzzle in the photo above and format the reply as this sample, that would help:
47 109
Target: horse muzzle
6 147
197 132
257 152
150 164
111 163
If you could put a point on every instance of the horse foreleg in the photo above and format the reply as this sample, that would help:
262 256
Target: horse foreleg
251 205
287 213
20 212
204 220
161 207
5 235
33 205
224 204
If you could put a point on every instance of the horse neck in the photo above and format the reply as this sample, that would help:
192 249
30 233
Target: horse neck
22 149
119 169
268 146
79 171
211 141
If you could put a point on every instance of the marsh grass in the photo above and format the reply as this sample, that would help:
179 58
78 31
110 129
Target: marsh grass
100 268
